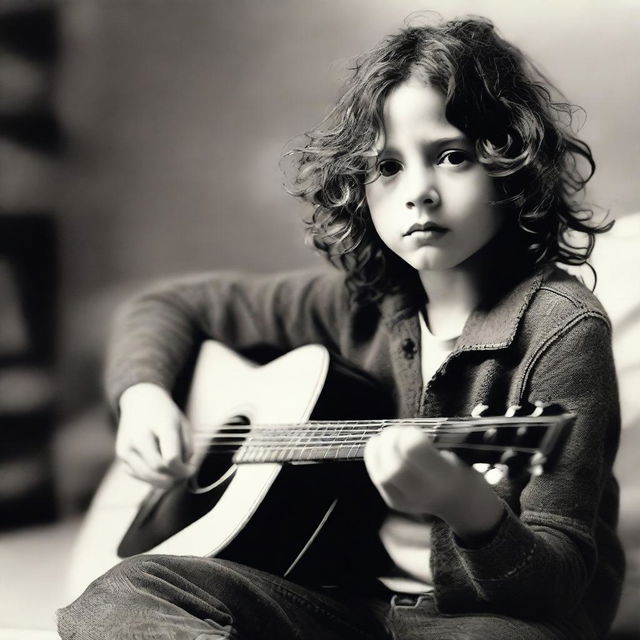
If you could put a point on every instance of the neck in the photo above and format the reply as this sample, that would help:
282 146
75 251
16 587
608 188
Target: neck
451 297
452 294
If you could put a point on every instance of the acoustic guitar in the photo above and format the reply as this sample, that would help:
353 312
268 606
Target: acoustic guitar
280 483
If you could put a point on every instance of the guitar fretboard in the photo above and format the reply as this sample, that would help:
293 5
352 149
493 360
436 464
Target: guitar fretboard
487 439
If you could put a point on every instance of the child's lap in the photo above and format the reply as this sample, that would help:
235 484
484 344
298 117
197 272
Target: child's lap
257 605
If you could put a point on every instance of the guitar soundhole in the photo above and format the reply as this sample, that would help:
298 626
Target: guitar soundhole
217 465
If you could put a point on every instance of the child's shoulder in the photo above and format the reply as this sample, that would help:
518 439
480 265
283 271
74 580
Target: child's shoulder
561 300
567 294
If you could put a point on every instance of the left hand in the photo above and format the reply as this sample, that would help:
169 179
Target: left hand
414 477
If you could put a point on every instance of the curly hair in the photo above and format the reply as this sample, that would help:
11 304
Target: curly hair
504 105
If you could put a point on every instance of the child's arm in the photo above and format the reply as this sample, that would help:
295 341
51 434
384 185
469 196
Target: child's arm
156 332
541 556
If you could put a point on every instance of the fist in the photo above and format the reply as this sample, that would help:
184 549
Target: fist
414 477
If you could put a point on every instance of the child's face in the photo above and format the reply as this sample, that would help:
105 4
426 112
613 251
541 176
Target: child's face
431 203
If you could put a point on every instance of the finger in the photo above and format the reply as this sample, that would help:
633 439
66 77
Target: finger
388 470
376 466
169 444
172 449
415 446
378 457
186 436
138 468
147 445
419 452
385 453
451 458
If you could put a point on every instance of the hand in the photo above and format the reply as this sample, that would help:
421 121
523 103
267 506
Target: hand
154 439
412 476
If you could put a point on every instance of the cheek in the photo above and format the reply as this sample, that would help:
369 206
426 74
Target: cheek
372 196
376 206
486 223
473 203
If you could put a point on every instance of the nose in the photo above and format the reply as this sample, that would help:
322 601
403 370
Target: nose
421 190
430 199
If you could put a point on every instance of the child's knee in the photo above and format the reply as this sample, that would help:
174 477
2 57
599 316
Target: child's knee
135 571
105 597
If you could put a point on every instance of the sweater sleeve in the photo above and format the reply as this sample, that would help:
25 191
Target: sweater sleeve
155 333
542 560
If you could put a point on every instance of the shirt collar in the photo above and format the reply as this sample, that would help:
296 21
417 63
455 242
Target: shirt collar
492 325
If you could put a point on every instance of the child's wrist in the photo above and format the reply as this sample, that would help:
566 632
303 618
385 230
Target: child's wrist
138 391
476 526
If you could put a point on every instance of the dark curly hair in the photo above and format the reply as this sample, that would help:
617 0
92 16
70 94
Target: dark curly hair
505 106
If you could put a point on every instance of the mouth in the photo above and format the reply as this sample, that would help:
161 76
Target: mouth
425 228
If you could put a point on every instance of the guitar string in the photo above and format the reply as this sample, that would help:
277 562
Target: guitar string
301 438
288 444
495 420
321 429
225 448
308 441
311 435
318 442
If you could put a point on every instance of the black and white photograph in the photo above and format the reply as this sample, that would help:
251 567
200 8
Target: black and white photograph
319 320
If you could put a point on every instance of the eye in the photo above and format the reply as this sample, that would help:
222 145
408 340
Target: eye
389 167
454 158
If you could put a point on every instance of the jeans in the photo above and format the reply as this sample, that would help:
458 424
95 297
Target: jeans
192 598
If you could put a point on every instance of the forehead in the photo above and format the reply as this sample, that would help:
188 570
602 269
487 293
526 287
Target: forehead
414 110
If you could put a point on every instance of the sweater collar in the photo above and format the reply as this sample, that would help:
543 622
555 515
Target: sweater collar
492 325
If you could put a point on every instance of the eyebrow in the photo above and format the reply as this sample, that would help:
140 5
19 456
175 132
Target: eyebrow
437 143
442 142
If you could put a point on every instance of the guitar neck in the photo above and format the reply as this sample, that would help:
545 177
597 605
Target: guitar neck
480 439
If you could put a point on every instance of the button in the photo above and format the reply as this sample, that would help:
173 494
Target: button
409 348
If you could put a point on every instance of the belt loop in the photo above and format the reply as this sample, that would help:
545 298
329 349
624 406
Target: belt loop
408 599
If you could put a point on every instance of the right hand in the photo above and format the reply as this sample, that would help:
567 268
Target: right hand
154 438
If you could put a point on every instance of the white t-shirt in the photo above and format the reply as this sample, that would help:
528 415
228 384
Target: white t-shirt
407 538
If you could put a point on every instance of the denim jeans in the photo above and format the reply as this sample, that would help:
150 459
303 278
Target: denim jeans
189 598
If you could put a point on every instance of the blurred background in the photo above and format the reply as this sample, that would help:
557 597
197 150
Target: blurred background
142 138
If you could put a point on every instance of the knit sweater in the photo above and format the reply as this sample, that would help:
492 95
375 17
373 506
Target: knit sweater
556 555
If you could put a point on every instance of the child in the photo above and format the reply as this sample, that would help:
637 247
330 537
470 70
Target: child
443 186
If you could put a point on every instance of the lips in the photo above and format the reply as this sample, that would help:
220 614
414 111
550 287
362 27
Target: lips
427 226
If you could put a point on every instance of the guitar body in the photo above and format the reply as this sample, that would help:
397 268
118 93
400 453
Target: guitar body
308 522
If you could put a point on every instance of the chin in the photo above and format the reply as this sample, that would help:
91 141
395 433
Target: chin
431 263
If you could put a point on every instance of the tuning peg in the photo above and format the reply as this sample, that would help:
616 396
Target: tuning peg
513 410
536 464
507 455
490 434
478 410
538 458
539 409
536 470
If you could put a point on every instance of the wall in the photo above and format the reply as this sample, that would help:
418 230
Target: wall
176 113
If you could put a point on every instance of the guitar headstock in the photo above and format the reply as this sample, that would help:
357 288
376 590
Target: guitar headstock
524 440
